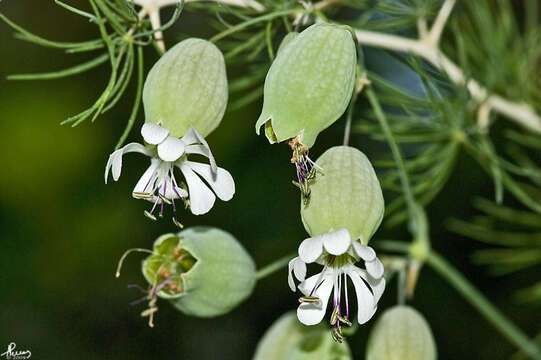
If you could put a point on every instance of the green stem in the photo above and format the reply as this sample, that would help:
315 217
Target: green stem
63 73
256 20
483 305
274 266
137 102
397 154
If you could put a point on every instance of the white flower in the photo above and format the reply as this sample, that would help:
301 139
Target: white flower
152 9
337 253
159 185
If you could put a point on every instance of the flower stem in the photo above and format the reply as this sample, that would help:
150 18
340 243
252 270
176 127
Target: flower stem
461 284
397 154
274 266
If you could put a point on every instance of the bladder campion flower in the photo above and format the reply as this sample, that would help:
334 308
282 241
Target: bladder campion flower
307 88
159 184
187 87
208 268
345 209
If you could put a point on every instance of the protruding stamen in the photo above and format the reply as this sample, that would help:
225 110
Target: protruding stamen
308 299
337 335
344 320
177 223
174 288
149 311
334 316
149 215
142 195
164 272
164 199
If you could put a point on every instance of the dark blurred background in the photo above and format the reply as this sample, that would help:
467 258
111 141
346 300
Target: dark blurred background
63 229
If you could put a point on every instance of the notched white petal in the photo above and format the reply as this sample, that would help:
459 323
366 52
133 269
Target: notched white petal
221 182
154 134
290 269
299 268
171 149
201 197
375 268
310 249
313 313
196 144
366 307
336 242
115 159
115 163
364 252
145 183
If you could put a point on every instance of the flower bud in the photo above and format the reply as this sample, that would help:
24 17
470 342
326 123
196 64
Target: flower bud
287 339
187 87
204 271
309 84
401 334
345 194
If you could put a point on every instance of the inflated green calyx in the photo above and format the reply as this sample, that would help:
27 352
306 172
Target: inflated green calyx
287 339
211 271
345 194
187 87
401 334
309 84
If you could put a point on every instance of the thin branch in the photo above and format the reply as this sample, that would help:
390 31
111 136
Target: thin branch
439 24
522 114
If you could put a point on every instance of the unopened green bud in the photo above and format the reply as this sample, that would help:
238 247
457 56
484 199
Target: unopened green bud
187 87
209 270
345 194
401 334
309 84
287 339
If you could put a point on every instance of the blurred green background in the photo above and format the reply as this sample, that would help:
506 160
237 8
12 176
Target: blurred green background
63 229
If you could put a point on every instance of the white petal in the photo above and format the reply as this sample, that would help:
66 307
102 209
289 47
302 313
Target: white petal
313 313
171 149
310 249
364 252
192 137
366 306
201 197
297 266
336 242
115 159
374 268
377 285
202 150
154 134
143 184
221 181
